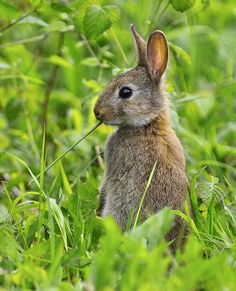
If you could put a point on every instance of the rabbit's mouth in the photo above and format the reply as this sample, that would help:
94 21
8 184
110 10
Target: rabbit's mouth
110 120
106 115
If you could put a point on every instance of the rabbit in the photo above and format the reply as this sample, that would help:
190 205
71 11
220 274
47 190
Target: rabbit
136 102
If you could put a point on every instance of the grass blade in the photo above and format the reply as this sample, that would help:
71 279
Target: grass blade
68 150
144 193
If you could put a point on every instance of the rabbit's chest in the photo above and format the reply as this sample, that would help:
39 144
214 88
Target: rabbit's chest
123 179
128 164
122 155
127 161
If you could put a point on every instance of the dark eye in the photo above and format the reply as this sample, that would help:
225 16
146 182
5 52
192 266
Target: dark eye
125 92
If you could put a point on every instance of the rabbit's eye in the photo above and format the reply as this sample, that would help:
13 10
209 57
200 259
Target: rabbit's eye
125 92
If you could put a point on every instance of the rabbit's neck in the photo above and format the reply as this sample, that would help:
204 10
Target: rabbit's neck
159 126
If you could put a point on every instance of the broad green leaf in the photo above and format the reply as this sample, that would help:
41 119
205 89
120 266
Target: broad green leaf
60 7
104 275
113 12
82 8
212 191
93 85
96 21
91 62
60 61
154 229
182 5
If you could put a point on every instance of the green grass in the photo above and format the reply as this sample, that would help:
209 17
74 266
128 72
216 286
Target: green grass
54 61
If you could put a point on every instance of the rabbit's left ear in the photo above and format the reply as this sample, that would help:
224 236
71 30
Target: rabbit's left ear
140 46
157 54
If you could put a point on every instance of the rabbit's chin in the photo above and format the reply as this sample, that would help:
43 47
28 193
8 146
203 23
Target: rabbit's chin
136 122
113 122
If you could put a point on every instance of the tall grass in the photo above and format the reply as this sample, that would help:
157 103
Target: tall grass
55 59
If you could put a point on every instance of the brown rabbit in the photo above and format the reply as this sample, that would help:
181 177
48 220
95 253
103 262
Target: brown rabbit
137 103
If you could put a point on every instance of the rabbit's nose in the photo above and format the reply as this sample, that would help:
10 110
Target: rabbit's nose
98 113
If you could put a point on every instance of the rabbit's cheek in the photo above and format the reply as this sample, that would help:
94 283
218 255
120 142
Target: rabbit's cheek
139 115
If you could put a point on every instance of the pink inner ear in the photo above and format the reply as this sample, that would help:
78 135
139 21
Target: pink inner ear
157 53
155 61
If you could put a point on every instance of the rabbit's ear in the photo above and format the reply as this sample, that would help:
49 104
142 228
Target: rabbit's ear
140 45
157 54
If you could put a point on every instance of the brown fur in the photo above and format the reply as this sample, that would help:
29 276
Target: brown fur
143 136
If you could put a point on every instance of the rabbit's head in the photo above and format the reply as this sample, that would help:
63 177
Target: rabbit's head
135 98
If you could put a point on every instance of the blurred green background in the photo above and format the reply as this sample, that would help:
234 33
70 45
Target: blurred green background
55 59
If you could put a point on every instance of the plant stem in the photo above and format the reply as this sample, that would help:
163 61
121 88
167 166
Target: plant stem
119 46
9 25
51 83
26 40
90 50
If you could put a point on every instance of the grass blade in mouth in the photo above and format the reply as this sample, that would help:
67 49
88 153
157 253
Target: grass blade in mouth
67 151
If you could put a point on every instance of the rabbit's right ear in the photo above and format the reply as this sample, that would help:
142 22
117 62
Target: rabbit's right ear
140 45
157 54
